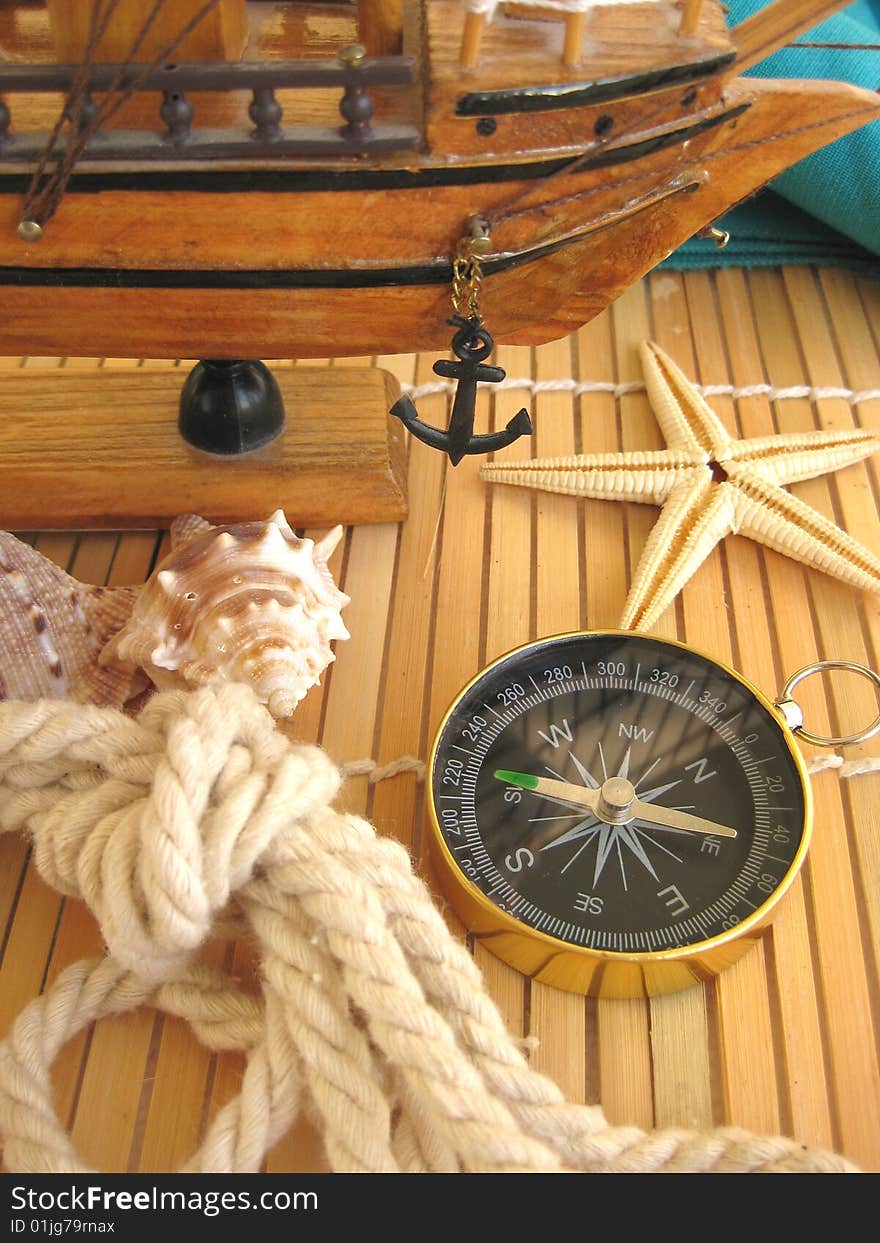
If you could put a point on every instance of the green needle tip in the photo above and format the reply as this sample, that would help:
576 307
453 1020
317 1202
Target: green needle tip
517 779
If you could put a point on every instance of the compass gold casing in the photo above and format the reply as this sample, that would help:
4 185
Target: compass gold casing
616 814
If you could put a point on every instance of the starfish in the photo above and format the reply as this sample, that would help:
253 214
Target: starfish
710 485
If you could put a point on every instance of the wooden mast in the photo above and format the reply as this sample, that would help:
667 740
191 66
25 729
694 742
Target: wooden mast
380 26
472 35
690 17
220 35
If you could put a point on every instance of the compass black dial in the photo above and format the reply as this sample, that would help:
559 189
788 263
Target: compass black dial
618 793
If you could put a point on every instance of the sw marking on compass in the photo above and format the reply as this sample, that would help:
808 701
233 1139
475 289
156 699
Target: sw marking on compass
638 724
609 838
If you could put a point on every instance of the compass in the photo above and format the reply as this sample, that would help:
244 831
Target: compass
617 814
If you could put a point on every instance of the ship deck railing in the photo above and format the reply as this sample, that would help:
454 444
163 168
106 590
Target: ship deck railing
181 138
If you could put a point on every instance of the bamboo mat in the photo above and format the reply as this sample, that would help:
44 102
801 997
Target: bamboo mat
786 1040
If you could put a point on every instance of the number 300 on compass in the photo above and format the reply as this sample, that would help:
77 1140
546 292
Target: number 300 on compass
616 814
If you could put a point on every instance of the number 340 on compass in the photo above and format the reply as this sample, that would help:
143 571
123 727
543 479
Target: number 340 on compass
619 815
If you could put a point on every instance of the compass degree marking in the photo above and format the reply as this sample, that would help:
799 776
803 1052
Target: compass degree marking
758 845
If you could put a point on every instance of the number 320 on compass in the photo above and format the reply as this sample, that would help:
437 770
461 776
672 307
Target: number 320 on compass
616 814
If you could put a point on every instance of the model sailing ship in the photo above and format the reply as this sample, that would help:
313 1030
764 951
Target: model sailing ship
227 210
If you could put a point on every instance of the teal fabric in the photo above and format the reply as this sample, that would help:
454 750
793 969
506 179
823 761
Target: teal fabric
768 231
826 208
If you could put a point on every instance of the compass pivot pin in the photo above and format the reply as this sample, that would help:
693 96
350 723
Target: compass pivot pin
615 800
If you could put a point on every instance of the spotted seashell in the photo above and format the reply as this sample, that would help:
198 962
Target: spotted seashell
249 602
53 629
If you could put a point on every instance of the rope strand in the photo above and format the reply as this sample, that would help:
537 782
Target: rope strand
372 1017
41 201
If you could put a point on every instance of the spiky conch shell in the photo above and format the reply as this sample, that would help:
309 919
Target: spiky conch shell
249 602
53 630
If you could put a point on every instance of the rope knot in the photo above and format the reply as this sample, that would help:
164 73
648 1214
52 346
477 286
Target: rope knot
159 823
371 1014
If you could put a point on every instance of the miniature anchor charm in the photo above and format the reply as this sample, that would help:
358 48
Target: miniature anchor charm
471 344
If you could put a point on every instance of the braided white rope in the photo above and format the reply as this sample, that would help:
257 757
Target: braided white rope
858 768
488 7
821 763
579 388
201 807
846 769
375 772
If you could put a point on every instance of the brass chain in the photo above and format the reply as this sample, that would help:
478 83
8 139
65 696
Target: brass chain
467 276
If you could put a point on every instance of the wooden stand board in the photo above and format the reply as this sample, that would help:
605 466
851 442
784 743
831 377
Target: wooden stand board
99 449
785 1040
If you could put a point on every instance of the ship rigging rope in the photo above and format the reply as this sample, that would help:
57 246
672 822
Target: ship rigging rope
202 818
44 194
511 207
840 47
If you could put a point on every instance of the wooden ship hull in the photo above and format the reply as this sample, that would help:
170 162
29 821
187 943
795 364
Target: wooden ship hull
586 175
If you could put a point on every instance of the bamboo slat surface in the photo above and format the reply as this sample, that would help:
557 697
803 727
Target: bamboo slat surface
784 1041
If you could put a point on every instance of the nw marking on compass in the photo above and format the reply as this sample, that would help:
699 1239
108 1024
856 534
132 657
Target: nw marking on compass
612 839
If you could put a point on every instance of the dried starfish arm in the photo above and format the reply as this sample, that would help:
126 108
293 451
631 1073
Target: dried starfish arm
772 516
710 485
646 477
686 419
696 517
802 455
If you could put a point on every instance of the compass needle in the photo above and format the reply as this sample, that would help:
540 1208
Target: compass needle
672 818
594 883
620 812
571 815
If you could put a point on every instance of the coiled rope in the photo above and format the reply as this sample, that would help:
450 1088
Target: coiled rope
370 1012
